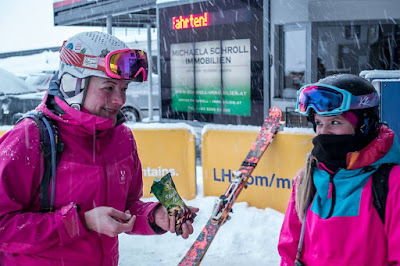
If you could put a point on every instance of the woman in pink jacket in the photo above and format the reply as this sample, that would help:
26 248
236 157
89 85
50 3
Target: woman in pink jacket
331 219
99 177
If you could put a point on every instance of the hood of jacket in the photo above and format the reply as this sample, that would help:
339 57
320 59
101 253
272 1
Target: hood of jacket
383 149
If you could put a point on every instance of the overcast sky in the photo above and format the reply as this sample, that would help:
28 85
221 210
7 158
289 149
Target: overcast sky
29 24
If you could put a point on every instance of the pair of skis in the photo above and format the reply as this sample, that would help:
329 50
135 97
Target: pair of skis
224 204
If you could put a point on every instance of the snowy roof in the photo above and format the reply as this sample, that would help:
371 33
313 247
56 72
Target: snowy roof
288 130
11 84
167 126
164 1
30 64
373 74
228 127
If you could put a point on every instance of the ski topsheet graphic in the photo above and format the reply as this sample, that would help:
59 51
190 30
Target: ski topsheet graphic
224 204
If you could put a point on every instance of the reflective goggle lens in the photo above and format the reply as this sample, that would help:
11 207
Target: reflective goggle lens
130 65
322 99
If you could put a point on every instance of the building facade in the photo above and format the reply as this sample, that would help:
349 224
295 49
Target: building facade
229 61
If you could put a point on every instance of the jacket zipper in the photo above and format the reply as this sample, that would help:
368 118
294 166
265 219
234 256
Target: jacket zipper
332 193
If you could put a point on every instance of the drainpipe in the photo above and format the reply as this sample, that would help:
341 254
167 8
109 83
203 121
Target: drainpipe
150 78
109 24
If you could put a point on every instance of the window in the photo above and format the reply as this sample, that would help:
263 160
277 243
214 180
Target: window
213 74
353 48
294 61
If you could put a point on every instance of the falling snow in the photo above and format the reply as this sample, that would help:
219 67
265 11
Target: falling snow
250 237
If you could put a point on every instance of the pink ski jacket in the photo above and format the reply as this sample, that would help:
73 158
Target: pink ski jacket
353 234
98 167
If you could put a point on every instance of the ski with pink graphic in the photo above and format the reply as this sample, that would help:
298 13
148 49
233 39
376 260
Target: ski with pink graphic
224 204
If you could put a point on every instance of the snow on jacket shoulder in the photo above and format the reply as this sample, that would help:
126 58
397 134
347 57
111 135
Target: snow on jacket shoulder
353 234
98 167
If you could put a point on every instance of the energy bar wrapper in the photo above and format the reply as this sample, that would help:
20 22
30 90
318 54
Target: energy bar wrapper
165 191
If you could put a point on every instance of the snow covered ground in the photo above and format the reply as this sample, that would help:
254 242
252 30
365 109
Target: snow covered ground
250 237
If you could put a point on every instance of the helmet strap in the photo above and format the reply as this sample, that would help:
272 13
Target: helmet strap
85 87
73 90
77 91
364 128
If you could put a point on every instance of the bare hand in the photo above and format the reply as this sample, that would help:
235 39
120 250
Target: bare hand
109 221
168 224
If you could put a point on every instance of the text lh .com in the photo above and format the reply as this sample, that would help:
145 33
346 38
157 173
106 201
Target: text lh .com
273 181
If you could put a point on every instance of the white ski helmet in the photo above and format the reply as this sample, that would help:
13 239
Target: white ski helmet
74 80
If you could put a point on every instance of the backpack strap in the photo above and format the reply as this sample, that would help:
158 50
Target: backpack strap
380 188
51 147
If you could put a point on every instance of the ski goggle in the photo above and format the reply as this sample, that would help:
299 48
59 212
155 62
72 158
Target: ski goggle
327 100
126 64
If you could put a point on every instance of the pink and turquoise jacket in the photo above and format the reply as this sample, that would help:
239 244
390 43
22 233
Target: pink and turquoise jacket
98 167
354 233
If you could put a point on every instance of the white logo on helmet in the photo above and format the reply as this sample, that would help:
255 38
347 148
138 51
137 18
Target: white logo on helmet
364 101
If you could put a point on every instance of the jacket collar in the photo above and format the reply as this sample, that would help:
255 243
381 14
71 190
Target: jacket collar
88 123
374 151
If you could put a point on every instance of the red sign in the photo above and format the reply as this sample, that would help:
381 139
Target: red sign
191 21
60 3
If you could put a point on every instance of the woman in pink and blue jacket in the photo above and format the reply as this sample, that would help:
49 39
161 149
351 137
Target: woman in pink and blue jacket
99 176
331 219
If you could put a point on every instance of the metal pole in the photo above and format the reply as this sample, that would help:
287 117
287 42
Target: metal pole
150 78
109 24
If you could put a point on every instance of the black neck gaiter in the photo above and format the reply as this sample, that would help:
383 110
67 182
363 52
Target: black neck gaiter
333 149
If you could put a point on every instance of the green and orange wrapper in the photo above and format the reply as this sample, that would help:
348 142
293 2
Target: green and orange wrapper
165 191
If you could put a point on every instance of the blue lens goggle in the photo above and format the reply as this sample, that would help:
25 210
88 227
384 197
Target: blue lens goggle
327 100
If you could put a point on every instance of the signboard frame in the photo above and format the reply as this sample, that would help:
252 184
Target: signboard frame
233 21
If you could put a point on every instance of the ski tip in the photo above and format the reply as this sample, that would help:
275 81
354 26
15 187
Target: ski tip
275 111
